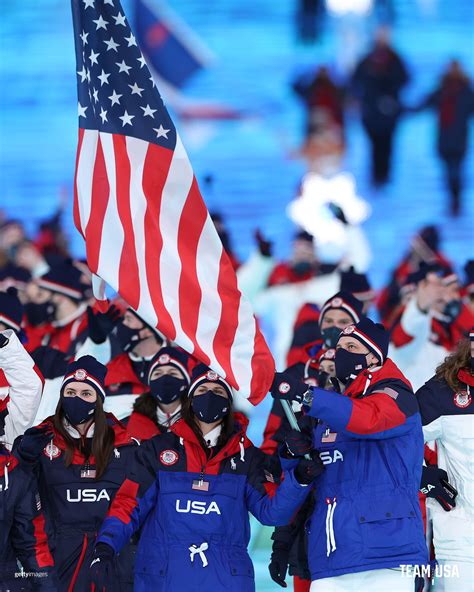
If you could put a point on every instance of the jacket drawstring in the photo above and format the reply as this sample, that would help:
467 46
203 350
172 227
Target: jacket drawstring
6 477
367 383
242 449
195 550
330 537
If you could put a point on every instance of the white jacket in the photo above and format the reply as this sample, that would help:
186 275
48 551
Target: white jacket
24 390
419 358
448 418
277 308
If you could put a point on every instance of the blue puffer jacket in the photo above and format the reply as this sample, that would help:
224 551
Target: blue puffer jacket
195 537
367 514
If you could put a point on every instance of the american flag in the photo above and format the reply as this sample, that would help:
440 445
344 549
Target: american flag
137 204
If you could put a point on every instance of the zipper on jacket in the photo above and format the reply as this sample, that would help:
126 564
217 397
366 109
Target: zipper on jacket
201 475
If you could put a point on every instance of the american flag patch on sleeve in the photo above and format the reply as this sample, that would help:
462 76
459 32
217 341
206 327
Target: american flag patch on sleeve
268 476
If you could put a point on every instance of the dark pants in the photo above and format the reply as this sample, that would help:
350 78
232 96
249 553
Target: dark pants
381 144
453 169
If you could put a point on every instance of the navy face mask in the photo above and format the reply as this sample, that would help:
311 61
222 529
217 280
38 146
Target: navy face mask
77 410
331 336
127 338
210 407
349 365
302 267
168 388
452 310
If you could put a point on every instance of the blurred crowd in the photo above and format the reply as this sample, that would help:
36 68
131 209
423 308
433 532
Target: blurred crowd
376 86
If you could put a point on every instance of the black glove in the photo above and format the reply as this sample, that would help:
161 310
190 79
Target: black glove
101 324
279 563
102 568
435 484
51 362
330 383
322 378
286 386
3 340
338 212
308 469
264 246
298 443
33 442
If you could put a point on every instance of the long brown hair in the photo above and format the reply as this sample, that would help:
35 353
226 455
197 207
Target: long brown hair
228 424
147 405
102 440
459 359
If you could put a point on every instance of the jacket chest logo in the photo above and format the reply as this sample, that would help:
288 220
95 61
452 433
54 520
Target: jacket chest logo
197 507
87 495
462 399
169 457
51 451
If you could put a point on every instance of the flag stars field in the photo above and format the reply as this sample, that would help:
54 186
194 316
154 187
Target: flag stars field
114 80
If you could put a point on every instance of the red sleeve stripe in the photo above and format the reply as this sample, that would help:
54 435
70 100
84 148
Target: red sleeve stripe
40 376
398 336
125 501
376 413
42 552
270 488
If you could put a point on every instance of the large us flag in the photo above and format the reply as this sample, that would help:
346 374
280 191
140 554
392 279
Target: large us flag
137 204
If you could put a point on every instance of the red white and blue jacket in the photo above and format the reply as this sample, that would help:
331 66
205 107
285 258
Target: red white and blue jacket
193 511
75 503
367 515
22 526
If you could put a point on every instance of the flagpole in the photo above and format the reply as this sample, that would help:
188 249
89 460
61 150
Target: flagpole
290 415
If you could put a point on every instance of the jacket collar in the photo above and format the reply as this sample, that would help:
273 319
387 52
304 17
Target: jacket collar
182 430
371 376
122 438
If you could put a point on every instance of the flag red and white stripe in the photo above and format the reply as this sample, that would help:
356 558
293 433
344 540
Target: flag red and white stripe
149 235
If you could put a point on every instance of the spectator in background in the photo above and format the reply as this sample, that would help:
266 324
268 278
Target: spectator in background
358 285
13 276
431 324
12 234
453 100
424 250
324 102
468 290
309 15
377 80
128 371
223 233
302 264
